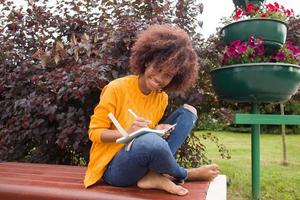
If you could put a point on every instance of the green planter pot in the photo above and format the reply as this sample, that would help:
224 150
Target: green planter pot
243 3
261 82
272 31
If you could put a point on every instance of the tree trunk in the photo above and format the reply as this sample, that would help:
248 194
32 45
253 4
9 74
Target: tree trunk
284 149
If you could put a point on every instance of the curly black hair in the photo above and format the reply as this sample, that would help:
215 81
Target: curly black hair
166 46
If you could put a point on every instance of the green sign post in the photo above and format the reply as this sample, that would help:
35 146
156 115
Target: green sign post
256 119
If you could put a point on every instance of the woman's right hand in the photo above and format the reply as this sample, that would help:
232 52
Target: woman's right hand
138 123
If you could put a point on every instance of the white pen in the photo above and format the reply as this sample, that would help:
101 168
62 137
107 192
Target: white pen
132 113
135 115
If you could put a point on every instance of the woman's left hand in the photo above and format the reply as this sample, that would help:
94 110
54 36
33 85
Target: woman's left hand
165 126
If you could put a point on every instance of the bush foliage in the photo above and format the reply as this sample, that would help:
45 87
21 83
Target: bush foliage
55 61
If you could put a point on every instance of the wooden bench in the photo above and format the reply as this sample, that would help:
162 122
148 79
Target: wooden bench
28 181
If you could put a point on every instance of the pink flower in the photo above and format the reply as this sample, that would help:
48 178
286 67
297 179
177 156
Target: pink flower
225 57
259 40
259 49
272 8
264 15
294 49
251 8
288 12
242 48
235 43
239 12
251 42
280 56
233 52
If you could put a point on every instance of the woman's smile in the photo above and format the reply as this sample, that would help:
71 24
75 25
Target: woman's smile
154 84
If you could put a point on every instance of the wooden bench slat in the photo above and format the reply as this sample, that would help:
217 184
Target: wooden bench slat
45 183
26 192
31 177
42 167
41 181
40 173
33 191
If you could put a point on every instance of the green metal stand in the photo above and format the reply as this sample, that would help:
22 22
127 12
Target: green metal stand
256 119
255 155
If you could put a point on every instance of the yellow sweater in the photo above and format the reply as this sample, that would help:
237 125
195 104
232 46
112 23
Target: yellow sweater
117 97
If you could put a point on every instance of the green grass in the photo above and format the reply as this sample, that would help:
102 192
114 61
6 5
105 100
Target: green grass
278 182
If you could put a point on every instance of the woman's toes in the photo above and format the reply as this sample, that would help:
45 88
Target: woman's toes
181 191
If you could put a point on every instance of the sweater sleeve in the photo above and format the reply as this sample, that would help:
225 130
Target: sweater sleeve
163 106
99 120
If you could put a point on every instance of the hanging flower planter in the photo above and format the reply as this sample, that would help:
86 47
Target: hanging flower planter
261 82
243 3
263 20
272 31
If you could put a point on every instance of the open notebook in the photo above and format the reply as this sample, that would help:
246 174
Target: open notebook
128 137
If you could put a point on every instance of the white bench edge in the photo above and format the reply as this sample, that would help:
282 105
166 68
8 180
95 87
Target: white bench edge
217 189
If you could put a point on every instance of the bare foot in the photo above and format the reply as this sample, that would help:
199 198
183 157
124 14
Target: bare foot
177 182
203 173
153 180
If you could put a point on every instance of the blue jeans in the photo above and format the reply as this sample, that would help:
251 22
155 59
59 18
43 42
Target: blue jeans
151 152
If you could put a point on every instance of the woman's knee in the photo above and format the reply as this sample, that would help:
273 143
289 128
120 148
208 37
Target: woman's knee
188 115
150 142
190 108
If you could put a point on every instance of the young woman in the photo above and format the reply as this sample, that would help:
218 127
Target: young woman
162 59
